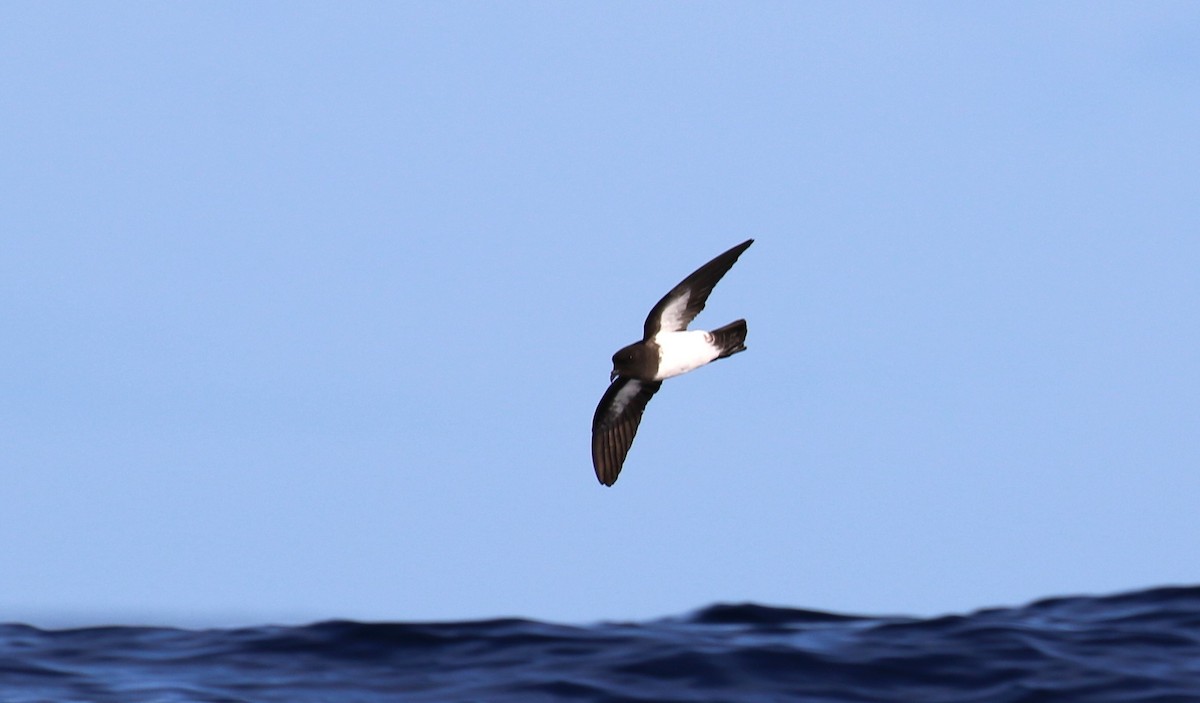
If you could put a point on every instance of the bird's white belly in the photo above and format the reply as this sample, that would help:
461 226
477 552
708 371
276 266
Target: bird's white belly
680 352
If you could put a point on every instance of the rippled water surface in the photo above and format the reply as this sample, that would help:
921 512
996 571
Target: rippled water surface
1142 647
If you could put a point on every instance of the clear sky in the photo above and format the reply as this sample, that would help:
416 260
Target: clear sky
306 307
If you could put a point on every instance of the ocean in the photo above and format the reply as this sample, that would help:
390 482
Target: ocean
1141 647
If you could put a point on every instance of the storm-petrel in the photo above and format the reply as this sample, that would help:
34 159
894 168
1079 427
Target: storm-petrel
667 349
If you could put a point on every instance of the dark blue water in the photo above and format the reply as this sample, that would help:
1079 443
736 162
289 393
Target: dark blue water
1142 647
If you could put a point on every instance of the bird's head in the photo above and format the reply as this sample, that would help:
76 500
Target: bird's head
631 361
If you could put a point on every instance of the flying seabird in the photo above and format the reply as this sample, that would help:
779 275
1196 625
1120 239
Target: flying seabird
667 349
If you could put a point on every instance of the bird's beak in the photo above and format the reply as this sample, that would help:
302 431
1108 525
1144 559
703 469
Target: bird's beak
612 376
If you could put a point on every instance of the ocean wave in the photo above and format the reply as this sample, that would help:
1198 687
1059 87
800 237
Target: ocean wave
1141 647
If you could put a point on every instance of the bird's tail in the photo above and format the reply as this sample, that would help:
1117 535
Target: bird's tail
731 338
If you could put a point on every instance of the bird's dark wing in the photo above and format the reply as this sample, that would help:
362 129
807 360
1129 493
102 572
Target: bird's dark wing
616 422
678 308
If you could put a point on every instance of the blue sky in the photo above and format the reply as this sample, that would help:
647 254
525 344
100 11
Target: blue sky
307 307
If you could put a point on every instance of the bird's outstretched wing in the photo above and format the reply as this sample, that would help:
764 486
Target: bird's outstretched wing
678 308
616 422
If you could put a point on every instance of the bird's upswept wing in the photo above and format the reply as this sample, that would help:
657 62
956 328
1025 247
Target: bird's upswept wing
678 308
